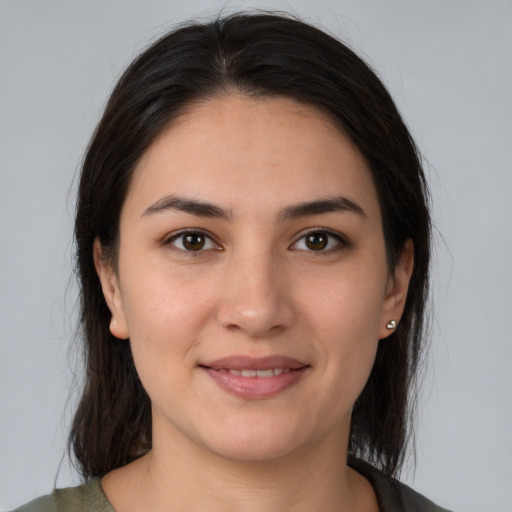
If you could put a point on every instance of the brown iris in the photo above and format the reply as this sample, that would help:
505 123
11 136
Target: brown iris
193 241
317 241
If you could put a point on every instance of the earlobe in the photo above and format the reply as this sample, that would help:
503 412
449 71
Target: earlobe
111 292
396 292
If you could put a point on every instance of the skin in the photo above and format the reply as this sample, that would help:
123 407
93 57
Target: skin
256 288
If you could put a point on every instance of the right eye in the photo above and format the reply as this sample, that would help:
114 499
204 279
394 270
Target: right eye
192 241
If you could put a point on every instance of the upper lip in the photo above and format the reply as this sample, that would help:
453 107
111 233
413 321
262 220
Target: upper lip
242 362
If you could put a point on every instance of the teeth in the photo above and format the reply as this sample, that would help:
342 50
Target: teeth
259 373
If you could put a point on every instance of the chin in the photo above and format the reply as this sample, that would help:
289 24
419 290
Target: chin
255 443
254 451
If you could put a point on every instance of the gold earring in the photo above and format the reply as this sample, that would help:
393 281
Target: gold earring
391 324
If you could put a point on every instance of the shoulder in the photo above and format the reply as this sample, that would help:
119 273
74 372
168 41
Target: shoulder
84 498
392 495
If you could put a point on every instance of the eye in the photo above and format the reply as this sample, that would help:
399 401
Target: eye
319 241
192 241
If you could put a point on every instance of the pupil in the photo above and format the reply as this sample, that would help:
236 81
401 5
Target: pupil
316 241
193 242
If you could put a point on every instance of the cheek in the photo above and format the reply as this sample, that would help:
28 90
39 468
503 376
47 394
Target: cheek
346 317
348 303
165 317
159 297
349 351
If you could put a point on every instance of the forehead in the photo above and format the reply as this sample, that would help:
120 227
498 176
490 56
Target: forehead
241 151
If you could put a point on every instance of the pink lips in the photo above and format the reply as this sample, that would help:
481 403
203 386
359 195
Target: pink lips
255 378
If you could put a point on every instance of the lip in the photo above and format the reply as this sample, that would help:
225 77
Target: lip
255 388
241 362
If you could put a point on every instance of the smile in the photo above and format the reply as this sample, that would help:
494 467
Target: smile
257 373
255 378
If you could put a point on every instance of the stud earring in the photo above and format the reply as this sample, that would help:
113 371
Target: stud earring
391 324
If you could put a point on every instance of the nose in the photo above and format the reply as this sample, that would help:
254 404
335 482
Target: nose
256 298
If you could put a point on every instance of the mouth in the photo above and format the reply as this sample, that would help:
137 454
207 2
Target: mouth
256 373
255 378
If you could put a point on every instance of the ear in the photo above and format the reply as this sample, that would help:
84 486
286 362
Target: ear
111 292
396 290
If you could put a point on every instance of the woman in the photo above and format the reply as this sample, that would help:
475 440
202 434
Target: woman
253 248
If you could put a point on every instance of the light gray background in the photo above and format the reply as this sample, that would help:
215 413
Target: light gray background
447 63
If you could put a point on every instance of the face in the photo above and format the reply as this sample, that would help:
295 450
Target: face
252 280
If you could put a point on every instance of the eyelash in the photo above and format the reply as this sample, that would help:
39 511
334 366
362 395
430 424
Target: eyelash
340 241
177 236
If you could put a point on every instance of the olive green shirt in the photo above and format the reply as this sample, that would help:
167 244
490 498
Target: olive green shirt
392 496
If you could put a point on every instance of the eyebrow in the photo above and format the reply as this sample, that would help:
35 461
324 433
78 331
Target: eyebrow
197 208
327 205
205 209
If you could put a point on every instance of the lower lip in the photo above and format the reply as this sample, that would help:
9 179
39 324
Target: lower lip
254 388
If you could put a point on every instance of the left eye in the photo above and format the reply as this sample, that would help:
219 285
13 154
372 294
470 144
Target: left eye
192 241
318 241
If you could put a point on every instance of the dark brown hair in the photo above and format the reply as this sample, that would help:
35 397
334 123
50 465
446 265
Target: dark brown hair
256 55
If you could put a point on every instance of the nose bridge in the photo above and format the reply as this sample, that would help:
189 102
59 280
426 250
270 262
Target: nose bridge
255 298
